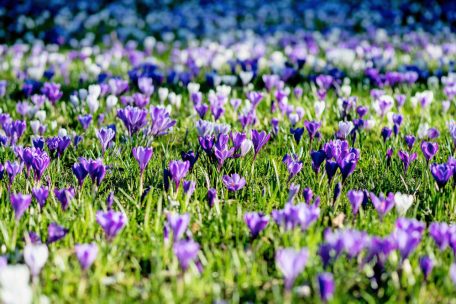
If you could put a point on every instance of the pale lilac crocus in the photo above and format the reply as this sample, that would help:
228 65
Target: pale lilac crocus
86 254
234 182
291 263
186 252
20 203
355 198
256 221
112 222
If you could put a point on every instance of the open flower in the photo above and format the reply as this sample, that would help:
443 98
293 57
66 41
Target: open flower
234 182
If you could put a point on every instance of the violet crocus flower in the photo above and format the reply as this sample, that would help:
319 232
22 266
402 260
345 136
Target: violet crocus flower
105 136
337 190
52 92
211 196
292 216
407 235
326 286
406 159
13 169
40 163
96 170
80 172
348 165
86 254
355 197
410 141
331 169
312 128
317 159
291 263
178 170
441 173
191 157
161 123
256 221
294 165
178 224
56 233
386 133
429 149
142 156
297 134
233 182
41 195
85 121
440 233
133 118
259 139
112 222
189 187
382 204
186 252
426 265
20 203
292 192
64 196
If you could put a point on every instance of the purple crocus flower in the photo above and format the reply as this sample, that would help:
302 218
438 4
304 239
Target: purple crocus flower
105 136
292 192
13 169
40 163
291 263
178 170
52 92
85 121
133 118
292 216
312 128
355 198
110 200
56 233
20 203
178 224
382 204
317 159
407 235
337 190
86 254
348 165
386 133
433 133
64 196
308 195
211 196
440 233
294 165
96 170
191 157
256 221
259 139
142 156
406 159
426 265
429 149
186 252
297 134
234 182
41 195
80 172
112 222
441 173
331 169
161 123
189 187
410 141
326 286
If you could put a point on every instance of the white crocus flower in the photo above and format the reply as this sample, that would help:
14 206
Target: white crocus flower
35 256
402 202
14 285
319 107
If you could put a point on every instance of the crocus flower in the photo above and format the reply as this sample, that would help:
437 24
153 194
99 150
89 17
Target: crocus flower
426 265
355 198
112 222
133 118
331 169
95 169
317 159
35 256
39 164
56 233
256 221
312 128
105 136
406 159
41 195
191 157
85 121
337 190
211 196
407 235
189 187
292 216
386 133
441 234
441 173
308 195
291 263
410 141
348 165
178 224
64 196
297 134
86 254
186 252
294 165
13 169
234 182
142 156
20 203
80 172
259 139
382 204
161 123
429 149
402 202
178 170
326 286
292 192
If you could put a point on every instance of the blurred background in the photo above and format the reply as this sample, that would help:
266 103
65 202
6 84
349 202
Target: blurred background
86 22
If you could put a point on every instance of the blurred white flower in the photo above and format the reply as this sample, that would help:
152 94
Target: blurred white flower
402 202
62 132
92 103
111 102
319 107
14 285
163 94
35 256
